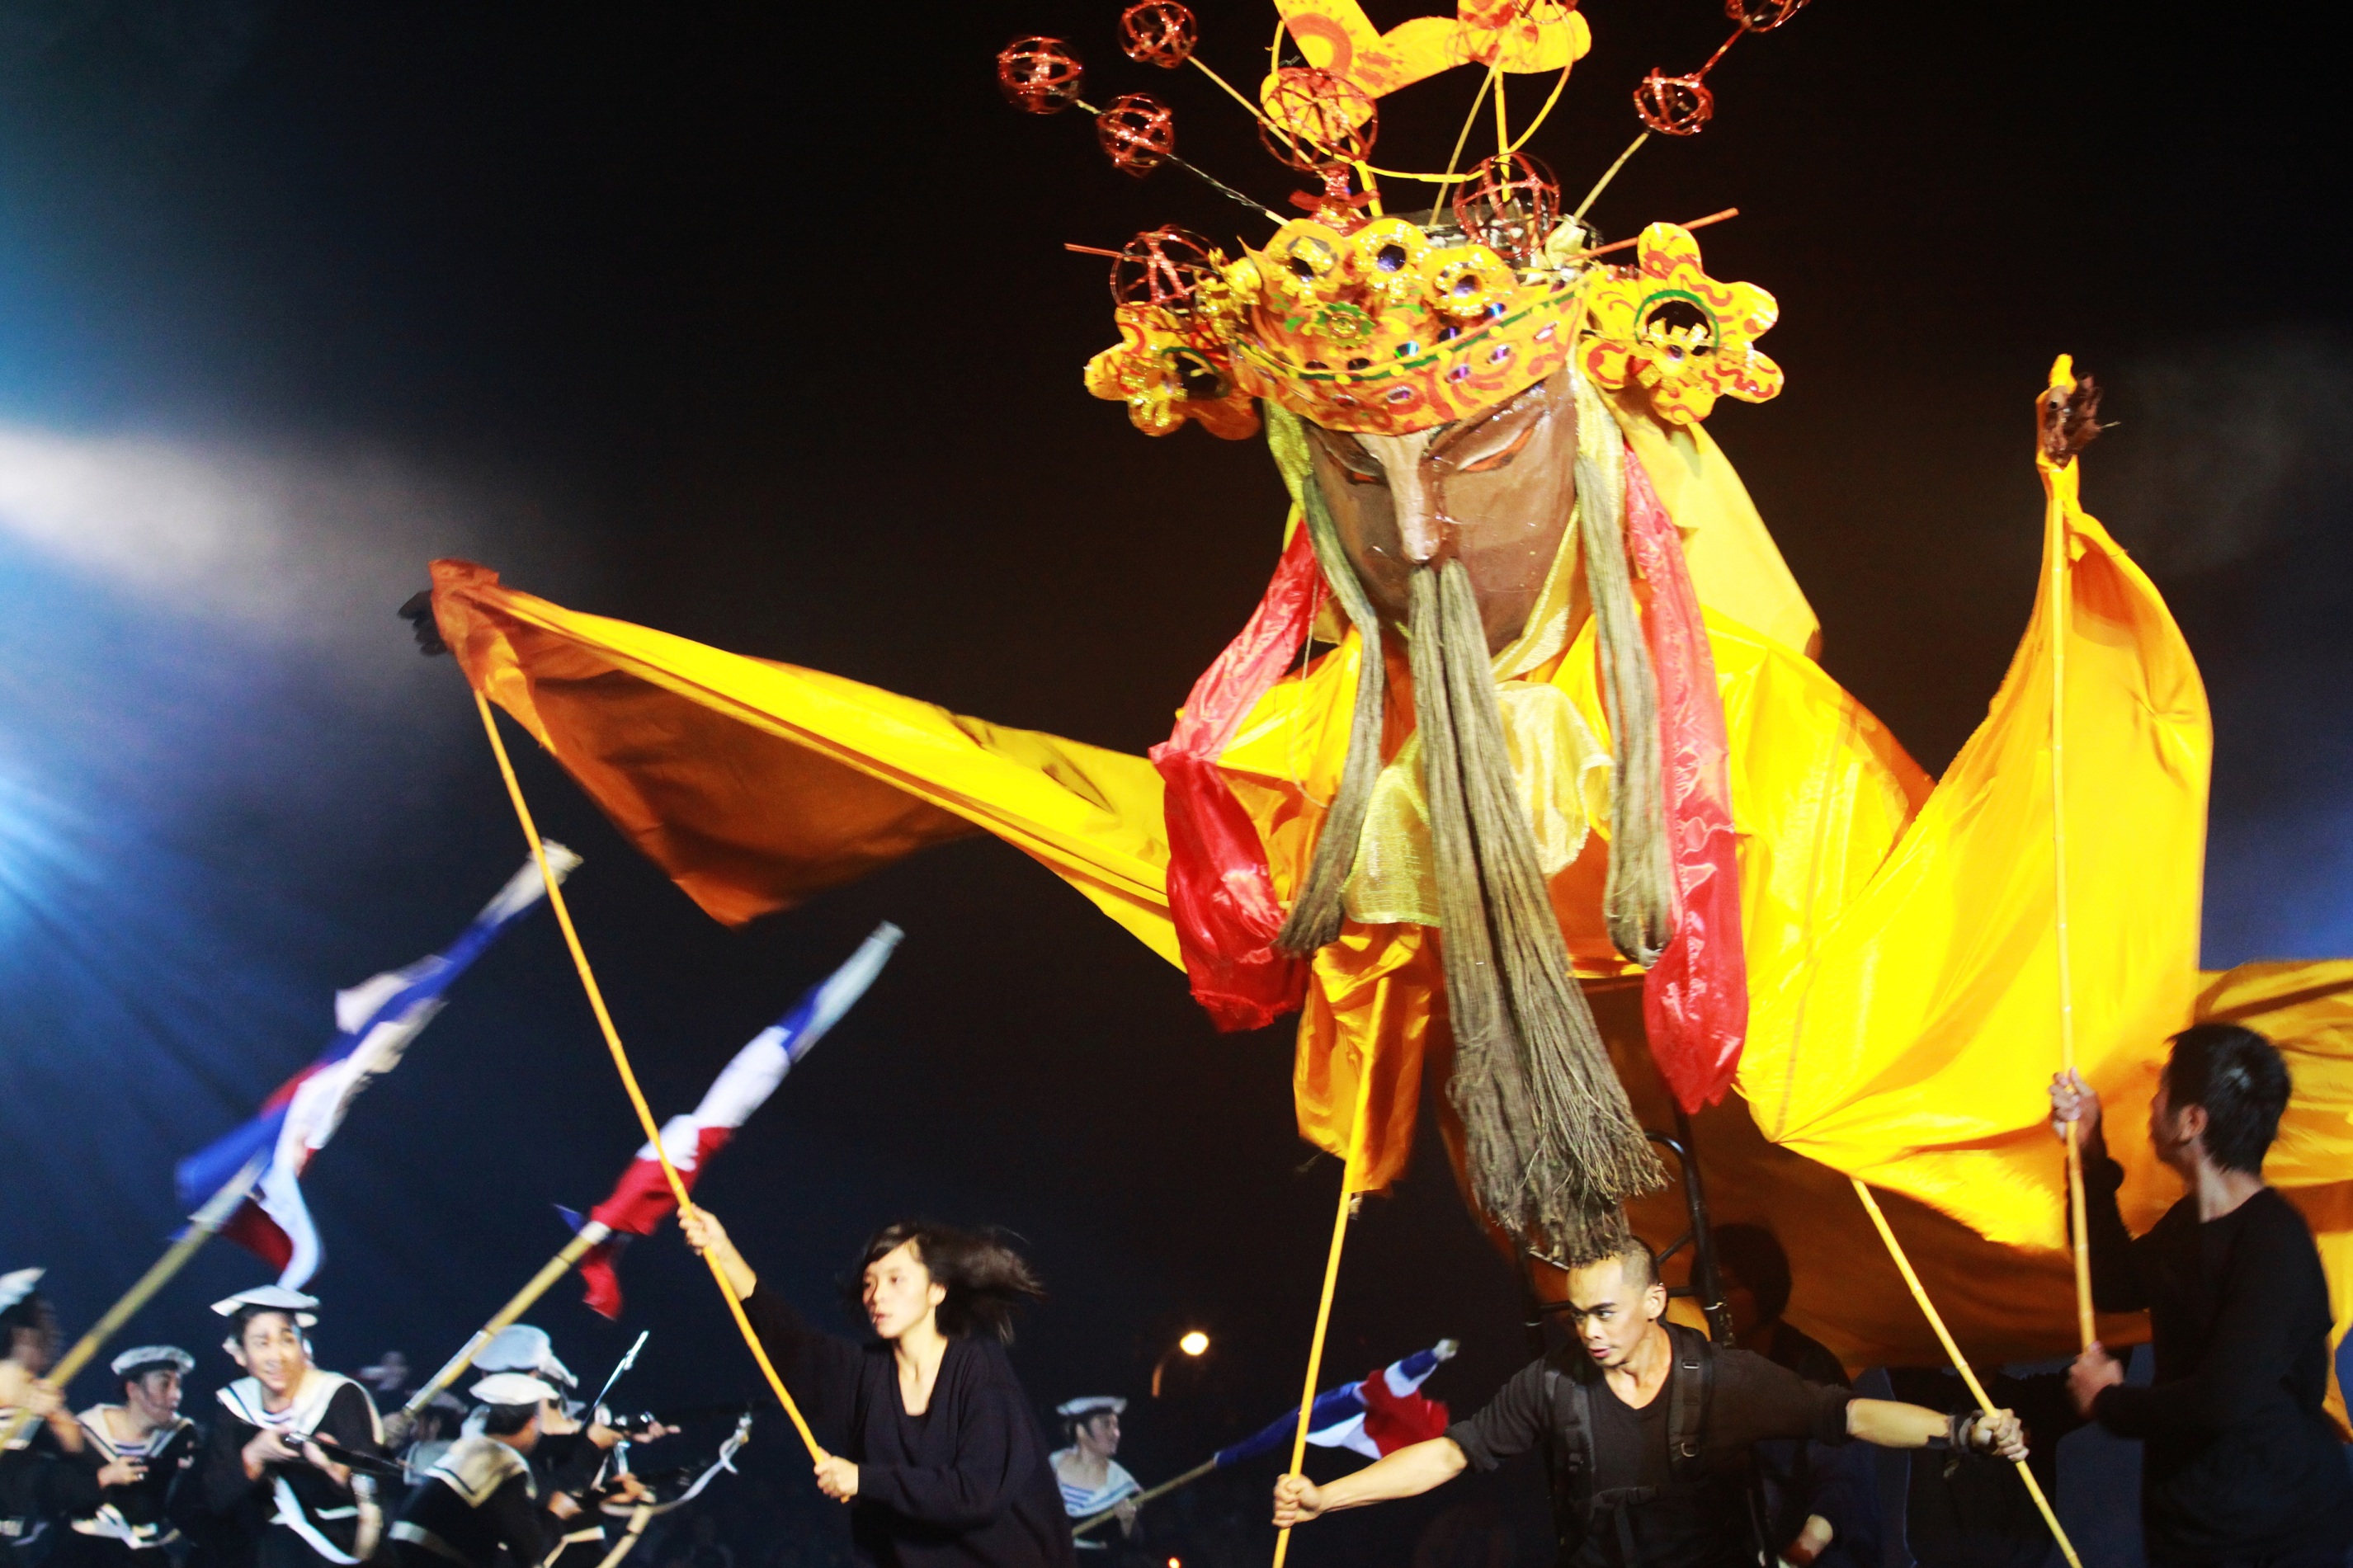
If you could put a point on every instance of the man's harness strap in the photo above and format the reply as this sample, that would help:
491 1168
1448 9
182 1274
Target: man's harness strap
1691 1396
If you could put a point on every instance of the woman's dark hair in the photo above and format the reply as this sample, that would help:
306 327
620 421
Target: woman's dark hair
1755 1257
1074 1425
29 1314
985 1278
2236 1076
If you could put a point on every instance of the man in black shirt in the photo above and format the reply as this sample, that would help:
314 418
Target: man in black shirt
2238 1466
1648 1430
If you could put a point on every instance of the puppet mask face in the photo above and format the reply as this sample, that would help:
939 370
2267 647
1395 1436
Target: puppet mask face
1494 492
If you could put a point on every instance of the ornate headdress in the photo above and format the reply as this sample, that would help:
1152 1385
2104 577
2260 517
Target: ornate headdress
1381 324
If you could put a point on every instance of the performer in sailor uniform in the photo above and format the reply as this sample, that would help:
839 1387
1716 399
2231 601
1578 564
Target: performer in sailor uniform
47 1472
293 1505
563 1436
573 1447
482 1496
131 1527
1090 1480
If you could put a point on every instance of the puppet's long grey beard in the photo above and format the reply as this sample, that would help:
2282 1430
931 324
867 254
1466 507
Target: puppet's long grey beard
1551 1143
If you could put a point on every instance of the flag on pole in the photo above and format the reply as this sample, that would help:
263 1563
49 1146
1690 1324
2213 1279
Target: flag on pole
642 1198
1384 1413
374 1022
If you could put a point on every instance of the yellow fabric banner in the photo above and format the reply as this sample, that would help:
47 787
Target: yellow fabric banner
1899 937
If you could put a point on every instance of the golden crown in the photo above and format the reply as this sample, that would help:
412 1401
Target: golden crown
1374 323
1390 329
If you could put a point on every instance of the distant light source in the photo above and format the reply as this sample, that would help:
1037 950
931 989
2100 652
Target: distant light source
1192 1343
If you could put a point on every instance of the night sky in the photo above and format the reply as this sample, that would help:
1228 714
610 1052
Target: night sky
755 324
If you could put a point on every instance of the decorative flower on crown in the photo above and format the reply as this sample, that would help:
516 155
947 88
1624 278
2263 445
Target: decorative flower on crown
1664 325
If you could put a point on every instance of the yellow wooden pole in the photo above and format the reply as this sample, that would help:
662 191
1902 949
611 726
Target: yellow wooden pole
2058 545
202 1225
628 1075
1961 1365
1331 1280
541 1283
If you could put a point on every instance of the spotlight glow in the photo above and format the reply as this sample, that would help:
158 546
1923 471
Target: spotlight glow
1194 1344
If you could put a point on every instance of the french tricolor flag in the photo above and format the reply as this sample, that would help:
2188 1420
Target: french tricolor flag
374 1022
642 1198
1384 1413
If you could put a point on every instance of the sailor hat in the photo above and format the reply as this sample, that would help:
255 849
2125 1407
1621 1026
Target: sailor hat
522 1348
1090 1404
152 1357
513 1388
272 1298
15 1287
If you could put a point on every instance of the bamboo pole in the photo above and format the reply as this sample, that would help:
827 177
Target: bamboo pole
628 1075
1331 1280
1140 1499
555 1269
1960 1364
202 1225
2056 545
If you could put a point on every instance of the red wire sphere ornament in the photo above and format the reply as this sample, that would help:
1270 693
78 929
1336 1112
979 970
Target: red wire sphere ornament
1040 75
1510 205
1163 33
1163 266
1673 105
1138 133
1318 123
1761 15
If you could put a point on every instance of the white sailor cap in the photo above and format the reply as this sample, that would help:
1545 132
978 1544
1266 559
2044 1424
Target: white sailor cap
522 1348
153 1357
272 1298
15 1287
1090 1404
513 1388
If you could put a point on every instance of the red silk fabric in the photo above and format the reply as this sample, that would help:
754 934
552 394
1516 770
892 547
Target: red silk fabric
1220 892
1695 998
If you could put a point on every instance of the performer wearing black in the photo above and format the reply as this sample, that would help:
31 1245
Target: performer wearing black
1821 1503
1968 1511
482 1496
1648 1428
943 1463
131 1527
2238 1464
48 1473
290 1504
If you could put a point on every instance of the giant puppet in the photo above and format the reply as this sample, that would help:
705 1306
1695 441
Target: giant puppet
1522 781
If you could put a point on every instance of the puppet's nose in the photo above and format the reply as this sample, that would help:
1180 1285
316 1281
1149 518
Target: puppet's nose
1418 523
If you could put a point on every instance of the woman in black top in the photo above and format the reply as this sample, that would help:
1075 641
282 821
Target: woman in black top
941 1461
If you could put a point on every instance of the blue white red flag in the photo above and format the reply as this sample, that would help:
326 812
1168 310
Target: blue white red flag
642 1198
1384 1413
374 1022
